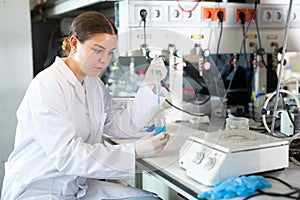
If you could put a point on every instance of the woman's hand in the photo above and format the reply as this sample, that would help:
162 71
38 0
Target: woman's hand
151 145
157 65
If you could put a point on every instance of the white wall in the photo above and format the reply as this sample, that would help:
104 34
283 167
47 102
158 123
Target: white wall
278 1
16 69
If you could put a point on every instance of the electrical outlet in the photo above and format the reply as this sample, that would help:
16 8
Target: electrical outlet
175 14
237 14
156 14
138 10
208 14
295 15
295 18
216 14
267 15
278 15
187 16
249 15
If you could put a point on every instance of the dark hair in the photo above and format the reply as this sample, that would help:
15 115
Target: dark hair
87 24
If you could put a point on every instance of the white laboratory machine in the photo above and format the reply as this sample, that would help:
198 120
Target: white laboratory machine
212 157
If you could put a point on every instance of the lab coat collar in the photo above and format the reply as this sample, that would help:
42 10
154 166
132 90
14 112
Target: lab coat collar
66 71
71 78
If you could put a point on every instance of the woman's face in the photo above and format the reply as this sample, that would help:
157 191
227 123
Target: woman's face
93 55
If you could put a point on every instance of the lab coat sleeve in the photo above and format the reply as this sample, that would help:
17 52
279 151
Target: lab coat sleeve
53 130
125 123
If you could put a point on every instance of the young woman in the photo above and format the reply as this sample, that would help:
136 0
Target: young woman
58 151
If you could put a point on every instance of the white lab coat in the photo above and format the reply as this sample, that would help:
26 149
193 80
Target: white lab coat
59 134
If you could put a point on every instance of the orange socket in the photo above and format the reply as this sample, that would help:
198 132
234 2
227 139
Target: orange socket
216 18
237 15
208 14
249 15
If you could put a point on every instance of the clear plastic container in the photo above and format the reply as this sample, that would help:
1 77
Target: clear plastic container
237 123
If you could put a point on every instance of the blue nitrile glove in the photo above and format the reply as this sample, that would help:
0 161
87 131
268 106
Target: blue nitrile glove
236 187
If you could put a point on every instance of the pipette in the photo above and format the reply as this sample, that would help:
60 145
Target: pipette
160 124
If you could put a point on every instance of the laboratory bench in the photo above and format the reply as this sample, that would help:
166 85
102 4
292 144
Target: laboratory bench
162 172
